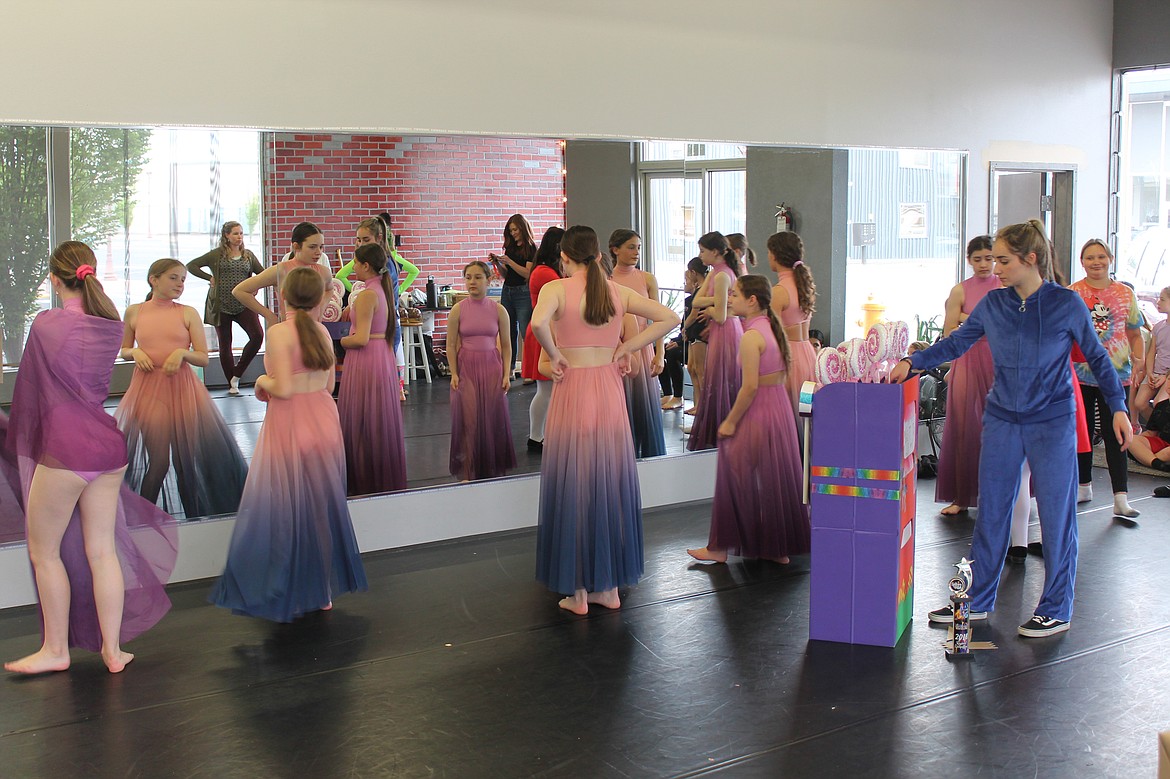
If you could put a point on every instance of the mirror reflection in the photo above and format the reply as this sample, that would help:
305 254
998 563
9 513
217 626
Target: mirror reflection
870 219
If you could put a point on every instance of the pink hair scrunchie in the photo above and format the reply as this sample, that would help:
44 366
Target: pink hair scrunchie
83 271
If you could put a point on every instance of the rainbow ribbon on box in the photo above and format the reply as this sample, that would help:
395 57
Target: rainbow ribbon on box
868 474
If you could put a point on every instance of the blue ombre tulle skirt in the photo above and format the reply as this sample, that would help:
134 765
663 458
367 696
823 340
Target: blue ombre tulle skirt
589 531
293 548
643 402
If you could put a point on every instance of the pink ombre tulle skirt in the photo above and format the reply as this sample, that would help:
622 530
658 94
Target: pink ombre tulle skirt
293 548
481 428
589 527
171 423
757 509
968 383
720 383
370 408
801 368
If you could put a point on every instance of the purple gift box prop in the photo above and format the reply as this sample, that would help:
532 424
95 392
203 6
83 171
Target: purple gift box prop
863 470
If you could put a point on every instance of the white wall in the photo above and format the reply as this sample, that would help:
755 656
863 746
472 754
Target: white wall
1008 80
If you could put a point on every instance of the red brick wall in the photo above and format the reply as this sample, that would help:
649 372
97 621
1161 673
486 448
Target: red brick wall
448 197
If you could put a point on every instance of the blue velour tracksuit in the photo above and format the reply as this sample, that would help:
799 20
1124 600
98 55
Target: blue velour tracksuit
1030 414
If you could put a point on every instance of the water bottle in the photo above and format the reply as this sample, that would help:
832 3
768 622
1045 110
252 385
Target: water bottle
432 295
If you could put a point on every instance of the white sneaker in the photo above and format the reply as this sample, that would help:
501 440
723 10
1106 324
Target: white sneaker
234 385
1084 493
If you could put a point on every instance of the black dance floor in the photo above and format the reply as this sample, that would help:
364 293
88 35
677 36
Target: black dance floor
457 664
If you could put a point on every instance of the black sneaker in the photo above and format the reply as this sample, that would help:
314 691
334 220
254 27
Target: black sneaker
1039 627
1036 548
946 615
1017 554
1162 492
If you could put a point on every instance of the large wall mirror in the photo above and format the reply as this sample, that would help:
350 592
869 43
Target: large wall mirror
882 227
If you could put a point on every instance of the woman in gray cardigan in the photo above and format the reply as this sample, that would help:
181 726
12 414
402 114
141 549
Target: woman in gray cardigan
229 264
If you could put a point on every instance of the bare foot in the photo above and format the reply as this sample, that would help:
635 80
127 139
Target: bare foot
781 560
41 662
328 606
117 661
953 510
691 411
666 400
672 405
708 556
608 598
575 604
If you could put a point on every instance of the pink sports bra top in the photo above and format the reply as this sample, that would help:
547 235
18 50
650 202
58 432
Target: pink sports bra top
288 266
479 324
791 315
159 329
632 279
298 357
378 323
770 361
975 289
572 331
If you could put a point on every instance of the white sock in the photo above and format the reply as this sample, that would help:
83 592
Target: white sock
1084 493
538 410
1121 506
1022 510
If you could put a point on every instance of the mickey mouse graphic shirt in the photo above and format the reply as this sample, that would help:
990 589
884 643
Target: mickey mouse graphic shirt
1114 311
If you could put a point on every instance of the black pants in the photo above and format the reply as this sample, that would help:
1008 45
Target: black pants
249 321
671 377
1098 415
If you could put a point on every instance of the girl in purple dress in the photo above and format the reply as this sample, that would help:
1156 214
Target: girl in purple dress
720 374
369 402
758 509
167 414
293 547
481 360
968 383
100 554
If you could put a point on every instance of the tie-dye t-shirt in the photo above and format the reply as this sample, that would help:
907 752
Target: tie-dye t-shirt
1115 314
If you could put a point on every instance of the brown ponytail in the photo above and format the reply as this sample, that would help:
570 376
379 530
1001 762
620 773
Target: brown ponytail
303 290
1029 238
759 288
374 255
787 250
716 242
739 242
579 244
64 262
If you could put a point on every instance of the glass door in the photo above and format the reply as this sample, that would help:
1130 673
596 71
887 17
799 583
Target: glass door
674 219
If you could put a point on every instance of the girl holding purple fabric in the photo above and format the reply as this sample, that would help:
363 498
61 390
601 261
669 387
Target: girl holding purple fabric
96 582
758 509
481 368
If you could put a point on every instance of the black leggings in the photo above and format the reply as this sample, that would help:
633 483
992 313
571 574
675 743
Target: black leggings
671 377
249 321
1098 415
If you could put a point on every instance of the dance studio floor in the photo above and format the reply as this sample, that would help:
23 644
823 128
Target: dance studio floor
457 664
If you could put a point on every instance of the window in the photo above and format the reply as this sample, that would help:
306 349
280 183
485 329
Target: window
24 233
1143 192
142 195
702 187
906 235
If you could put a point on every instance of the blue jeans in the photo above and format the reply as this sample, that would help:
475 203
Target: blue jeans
517 301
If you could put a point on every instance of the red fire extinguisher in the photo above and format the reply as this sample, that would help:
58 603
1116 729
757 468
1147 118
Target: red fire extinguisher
783 218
